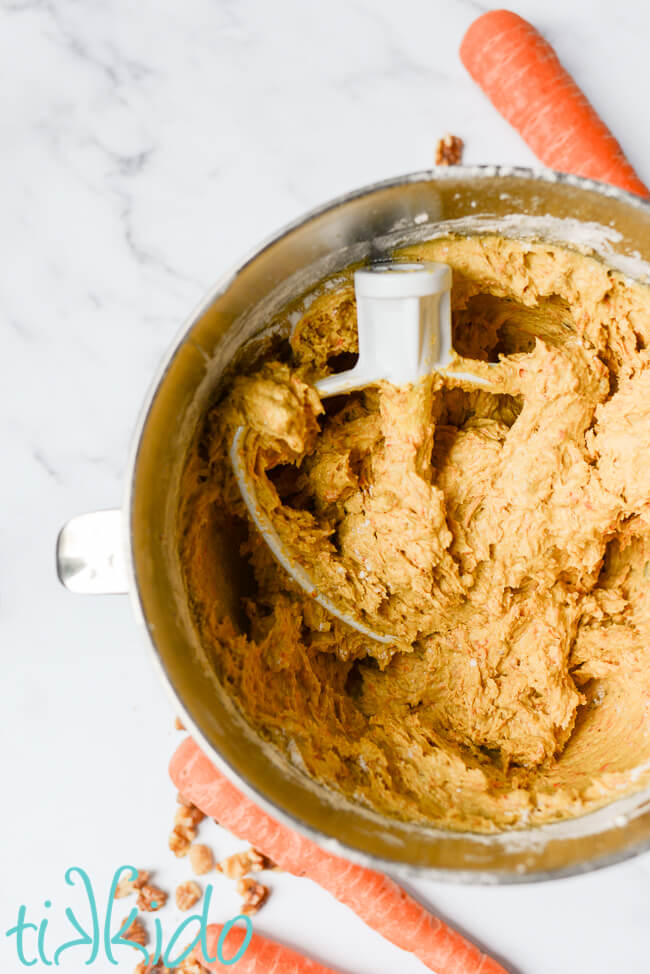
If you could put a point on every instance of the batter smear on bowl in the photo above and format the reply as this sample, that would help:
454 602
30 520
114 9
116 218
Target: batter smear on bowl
505 542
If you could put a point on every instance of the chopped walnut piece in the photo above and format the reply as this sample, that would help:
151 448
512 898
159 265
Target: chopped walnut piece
254 895
187 894
126 886
188 816
178 724
180 839
151 898
136 932
260 862
182 800
449 150
153 967
190 966
201 859
242 863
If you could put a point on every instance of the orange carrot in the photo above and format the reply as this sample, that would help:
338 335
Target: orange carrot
521 74
375 898
261 956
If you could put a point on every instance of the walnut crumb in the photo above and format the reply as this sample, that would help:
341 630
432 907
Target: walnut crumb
136 932
254 895
261 862
181 838
242 863
190 966
151 898
153 967
182 800
126 886
449 150
201 859
187 894
189 816
178 724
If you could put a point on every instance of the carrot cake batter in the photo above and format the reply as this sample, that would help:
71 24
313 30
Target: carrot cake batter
502 537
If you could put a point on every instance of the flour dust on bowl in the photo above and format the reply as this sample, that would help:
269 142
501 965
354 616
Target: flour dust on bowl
501 734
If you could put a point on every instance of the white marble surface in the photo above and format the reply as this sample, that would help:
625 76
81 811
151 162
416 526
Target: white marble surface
144 147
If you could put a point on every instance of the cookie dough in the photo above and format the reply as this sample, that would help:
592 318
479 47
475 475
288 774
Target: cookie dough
501 537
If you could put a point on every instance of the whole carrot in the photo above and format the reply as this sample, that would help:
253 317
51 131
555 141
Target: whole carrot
376 899
262 956
521 74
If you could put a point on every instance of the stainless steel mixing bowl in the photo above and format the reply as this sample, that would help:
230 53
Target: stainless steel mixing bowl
134 550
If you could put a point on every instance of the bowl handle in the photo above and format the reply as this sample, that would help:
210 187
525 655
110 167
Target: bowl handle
90 557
